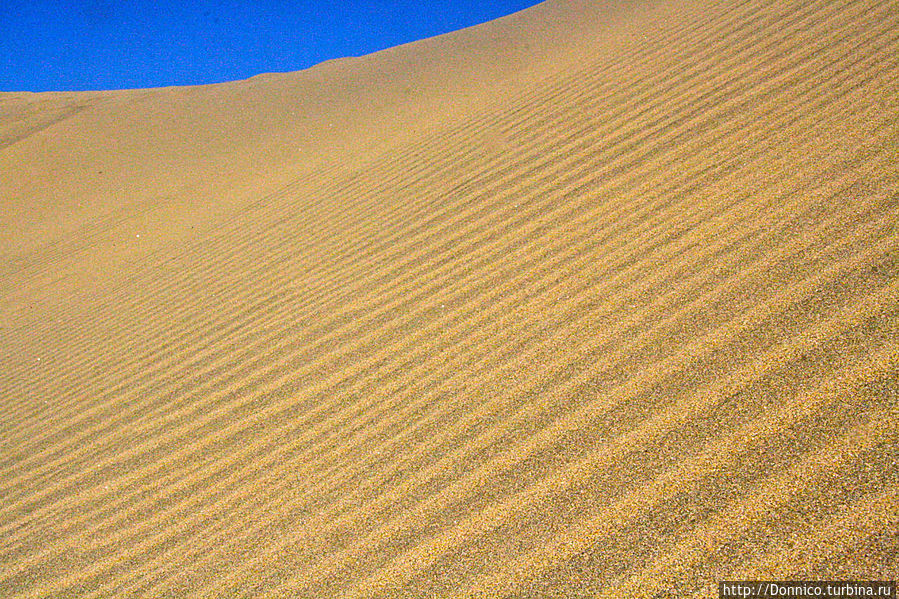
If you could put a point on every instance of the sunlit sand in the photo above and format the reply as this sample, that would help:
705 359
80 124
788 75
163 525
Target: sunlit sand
599 299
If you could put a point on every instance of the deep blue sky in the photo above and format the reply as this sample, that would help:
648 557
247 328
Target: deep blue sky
118 44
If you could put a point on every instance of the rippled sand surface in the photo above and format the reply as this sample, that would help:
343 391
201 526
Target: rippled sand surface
600 299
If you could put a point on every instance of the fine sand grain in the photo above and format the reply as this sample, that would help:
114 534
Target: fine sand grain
600 299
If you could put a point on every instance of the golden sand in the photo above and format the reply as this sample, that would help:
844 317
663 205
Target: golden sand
600 299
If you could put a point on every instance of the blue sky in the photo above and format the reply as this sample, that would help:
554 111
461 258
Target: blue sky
109 44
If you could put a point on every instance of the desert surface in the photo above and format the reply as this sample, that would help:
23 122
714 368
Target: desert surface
600 299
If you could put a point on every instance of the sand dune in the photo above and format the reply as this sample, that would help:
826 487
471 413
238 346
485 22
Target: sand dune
600 299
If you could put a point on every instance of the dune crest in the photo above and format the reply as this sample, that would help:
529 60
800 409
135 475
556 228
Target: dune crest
599 299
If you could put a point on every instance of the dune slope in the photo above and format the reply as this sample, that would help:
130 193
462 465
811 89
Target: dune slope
600 299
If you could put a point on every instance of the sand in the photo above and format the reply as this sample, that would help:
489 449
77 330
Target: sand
600 299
